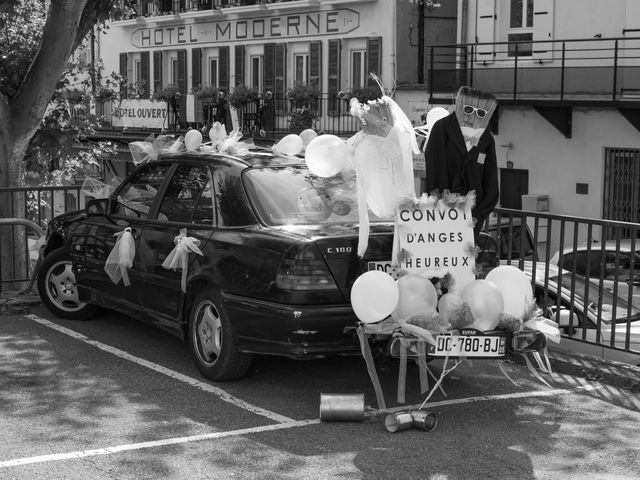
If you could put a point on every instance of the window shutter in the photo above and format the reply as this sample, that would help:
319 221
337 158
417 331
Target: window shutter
157 71
196 68
315 64
374 59
269 74
239 64
182 82
123 74
146 74
182 72
223 68
280 70
543 30
333 86
485 30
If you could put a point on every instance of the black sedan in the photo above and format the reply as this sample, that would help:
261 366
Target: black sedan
278 257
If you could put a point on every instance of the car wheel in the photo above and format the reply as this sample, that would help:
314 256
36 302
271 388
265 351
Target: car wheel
58 290
213 343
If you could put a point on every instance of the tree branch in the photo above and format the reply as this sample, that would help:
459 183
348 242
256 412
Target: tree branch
30 102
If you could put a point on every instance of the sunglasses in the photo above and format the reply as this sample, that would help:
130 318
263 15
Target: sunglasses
469 110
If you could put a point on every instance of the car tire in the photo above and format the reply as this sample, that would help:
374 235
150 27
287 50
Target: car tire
212 341
58 290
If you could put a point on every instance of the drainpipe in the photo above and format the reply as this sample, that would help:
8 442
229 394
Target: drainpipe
393 63
421 9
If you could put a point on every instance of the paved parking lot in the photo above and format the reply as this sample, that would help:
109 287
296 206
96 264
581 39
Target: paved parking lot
114 398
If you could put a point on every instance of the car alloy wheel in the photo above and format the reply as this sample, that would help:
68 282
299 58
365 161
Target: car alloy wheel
213 342
58 289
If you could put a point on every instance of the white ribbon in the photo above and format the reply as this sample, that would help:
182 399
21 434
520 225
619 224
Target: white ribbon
179 256
121 257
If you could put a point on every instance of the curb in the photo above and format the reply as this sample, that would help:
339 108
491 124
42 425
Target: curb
18 300
593 368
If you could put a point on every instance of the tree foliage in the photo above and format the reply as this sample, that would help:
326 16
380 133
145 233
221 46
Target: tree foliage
41 85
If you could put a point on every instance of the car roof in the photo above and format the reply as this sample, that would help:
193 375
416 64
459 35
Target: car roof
249 158
625 246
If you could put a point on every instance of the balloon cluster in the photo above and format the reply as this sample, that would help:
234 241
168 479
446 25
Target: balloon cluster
480 304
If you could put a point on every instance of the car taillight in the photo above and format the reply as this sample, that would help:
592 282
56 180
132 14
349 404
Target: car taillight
303 268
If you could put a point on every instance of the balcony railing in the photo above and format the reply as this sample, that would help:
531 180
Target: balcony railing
146 8
593 70
268 117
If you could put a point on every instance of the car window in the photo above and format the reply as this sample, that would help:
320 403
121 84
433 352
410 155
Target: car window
137 195
292 195
586 263
231 201
188 197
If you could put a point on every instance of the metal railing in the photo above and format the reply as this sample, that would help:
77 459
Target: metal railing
31 210
596 291
266 117
603 69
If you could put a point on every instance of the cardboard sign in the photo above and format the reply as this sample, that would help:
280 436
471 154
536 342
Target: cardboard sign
139 113
436 238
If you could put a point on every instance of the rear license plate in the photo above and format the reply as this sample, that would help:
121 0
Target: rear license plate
472 346
383 267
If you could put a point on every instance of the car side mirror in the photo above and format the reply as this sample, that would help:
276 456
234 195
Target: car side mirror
97 206
563 317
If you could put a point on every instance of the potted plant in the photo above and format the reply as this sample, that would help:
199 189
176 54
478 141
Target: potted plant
169 94
303 99
207 93
241 98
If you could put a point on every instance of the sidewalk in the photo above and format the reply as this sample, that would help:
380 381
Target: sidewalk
13 301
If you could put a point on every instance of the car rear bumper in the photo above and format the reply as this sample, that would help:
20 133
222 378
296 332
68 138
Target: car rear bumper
296 331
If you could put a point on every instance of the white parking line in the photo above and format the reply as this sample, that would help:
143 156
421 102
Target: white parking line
157 443
220 393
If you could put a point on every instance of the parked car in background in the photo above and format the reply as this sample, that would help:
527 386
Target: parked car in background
576 303
616 265
278 257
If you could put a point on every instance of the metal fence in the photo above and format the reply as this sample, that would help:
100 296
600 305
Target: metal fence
607 69
31 210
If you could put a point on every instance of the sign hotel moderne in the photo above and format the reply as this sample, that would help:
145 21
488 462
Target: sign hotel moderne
332 22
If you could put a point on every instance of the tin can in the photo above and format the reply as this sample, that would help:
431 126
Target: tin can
396 422
336 407
424 420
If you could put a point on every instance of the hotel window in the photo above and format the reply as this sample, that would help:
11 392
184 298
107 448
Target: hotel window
256 72
358 67
137 68
301 65
174 71
520 28
213 72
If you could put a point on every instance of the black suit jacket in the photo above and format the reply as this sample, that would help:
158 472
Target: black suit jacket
451 167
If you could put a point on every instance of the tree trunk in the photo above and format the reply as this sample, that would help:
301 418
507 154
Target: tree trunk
20 118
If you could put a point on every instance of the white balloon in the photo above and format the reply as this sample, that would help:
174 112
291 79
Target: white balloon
289 145
326 155
307 135
217 132
515 287
435 114
374 296
193 139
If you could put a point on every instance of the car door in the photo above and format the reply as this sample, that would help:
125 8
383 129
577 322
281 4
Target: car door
186 203
130 207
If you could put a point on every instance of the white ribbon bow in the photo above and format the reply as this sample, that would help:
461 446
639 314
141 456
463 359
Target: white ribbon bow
179 256
121 257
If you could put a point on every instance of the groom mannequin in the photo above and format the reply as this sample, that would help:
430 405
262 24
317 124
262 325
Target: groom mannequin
461 153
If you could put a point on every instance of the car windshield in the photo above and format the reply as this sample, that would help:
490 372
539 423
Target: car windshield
292 195
598 299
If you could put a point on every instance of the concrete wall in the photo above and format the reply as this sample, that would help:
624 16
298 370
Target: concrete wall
556 163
